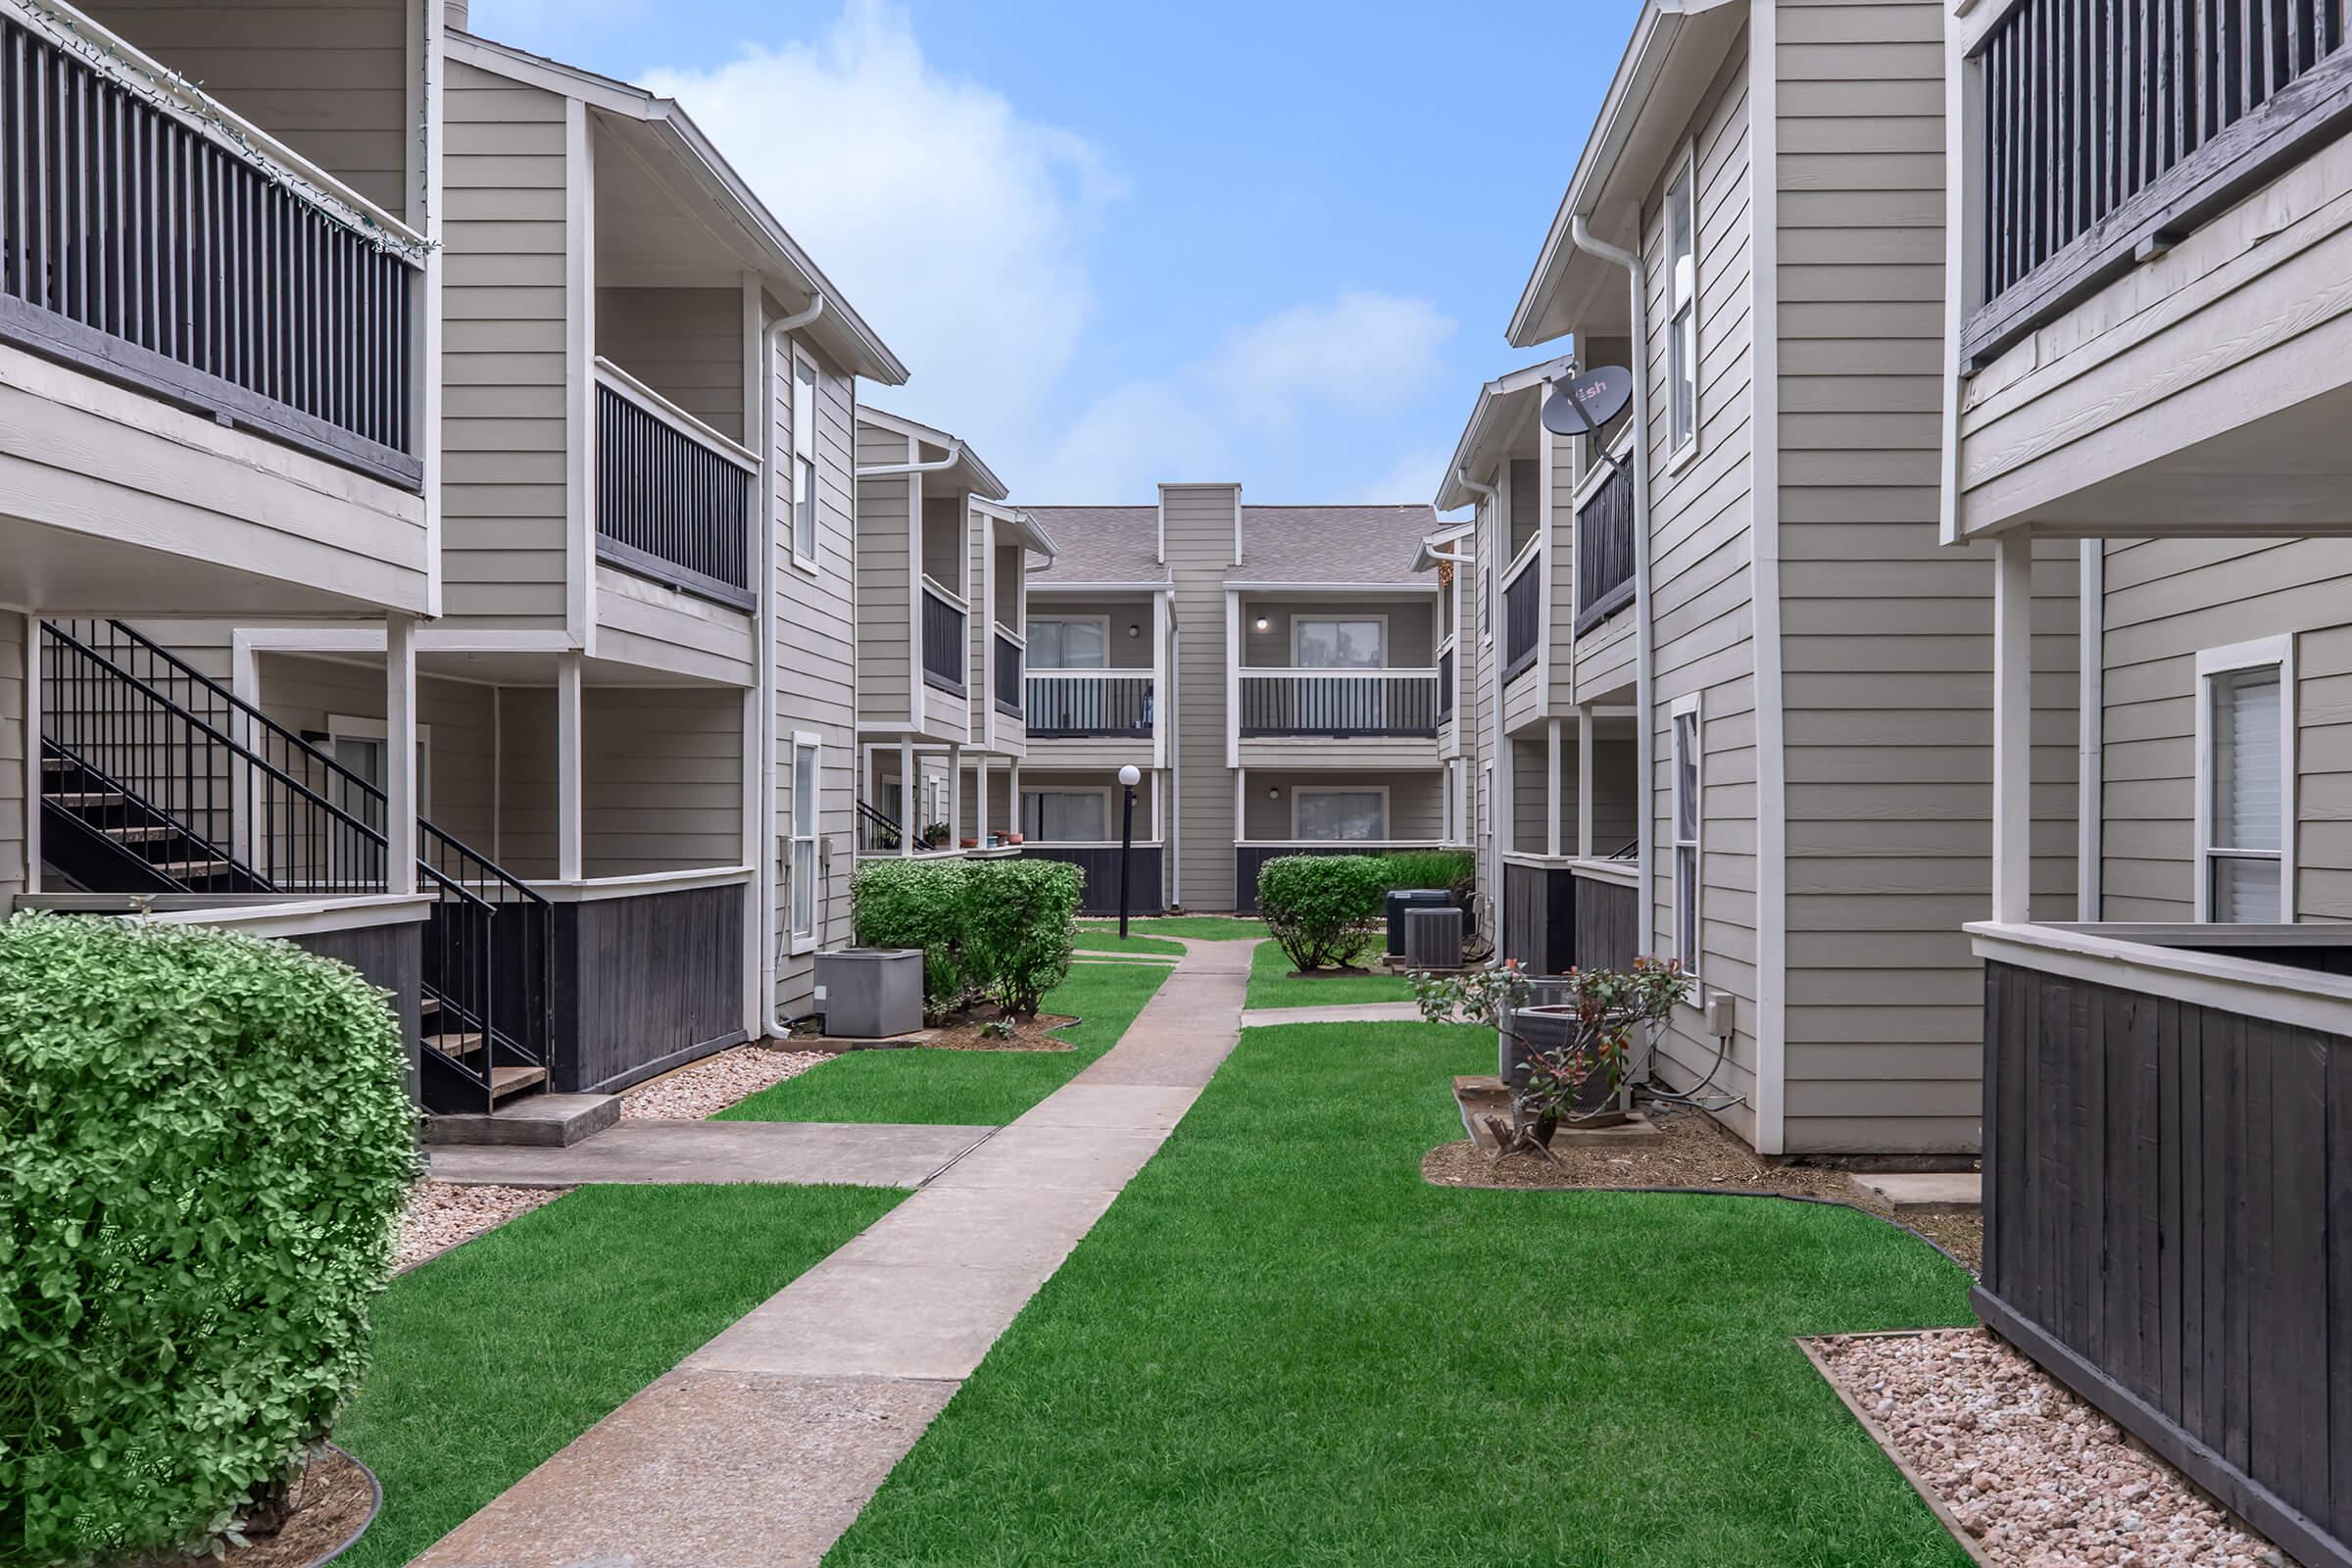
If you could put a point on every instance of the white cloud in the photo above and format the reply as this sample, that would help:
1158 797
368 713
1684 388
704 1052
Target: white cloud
1413 477
1363 350
1128 440
956 226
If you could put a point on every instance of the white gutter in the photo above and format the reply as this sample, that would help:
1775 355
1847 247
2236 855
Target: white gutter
1644 655
891 470
777 338
1499 805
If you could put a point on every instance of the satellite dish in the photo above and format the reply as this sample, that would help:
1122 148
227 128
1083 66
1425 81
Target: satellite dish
1580 404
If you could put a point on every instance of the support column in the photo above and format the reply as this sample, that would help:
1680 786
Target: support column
568 858
2013 727
400 754
1012 796
1553 770
908 826
956 797
980 799
1585 771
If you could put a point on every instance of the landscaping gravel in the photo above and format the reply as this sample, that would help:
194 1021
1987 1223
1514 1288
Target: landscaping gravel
442 1214
2034 1476
714 1082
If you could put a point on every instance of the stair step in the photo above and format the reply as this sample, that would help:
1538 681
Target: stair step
455 1045
86 797
138 835
187 868
426 1006
505 1081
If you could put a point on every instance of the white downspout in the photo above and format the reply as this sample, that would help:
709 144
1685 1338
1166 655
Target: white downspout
891 470
2090 786
1645 655
776 340
1498 792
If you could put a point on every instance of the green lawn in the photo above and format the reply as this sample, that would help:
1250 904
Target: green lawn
1107 939
974 1088
1271 983
1281 1345
490 1358
1206 927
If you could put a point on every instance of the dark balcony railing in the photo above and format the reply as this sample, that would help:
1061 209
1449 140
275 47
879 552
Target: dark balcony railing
1523 615
671 500
2109 126
943 640
1075 705
1009 689
1339 705
139 244
1604 550
1445 685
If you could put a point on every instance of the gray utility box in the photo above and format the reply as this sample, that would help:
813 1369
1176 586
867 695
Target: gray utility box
870 992
1433 937
1405 898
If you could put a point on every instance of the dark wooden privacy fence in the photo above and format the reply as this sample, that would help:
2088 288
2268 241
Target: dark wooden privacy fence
1319 704
1068 706
943 641
138 245
1010 692
1522 616
2110 122
670 501
1604 550
2168 1197
644 983
1539 917
1100 865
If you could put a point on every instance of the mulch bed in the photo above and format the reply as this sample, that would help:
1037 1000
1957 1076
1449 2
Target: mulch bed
1695 1154
331 1501
964 1033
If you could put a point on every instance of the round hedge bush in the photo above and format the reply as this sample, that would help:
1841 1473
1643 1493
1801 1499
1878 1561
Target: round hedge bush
205 1144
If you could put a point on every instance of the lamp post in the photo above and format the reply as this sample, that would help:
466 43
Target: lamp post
1129 778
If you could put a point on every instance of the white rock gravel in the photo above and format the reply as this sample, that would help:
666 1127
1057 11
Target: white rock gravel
712 1084
442 1214
2035 1476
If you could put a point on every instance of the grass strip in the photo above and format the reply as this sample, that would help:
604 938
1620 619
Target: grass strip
1271 983
1281 1345
964 1088
1201 927
1092 941
493 1356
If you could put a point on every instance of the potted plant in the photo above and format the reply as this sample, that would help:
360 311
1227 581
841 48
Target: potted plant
934 836
1563 1044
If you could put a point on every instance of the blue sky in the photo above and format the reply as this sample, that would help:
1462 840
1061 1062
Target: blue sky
1272 242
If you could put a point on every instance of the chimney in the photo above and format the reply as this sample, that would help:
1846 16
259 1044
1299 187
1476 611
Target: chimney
452 15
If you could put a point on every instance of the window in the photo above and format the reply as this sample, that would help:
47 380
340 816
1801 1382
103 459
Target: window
2245 796
1066 816
1682 262
1688 823
1486 603
1069 643
1486 787
1340 813
804 461
805 873
1359 644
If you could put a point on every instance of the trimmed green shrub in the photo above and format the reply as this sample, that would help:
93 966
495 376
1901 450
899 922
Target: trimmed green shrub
914 903
1020 923
1454 871
1324 909
205 1144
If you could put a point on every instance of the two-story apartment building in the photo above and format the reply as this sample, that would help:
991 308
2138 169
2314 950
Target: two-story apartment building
1756 591
1279 675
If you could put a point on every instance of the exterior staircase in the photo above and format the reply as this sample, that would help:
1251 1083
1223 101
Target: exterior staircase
154 778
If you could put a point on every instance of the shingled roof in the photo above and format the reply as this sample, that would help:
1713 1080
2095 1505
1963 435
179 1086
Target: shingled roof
1367 544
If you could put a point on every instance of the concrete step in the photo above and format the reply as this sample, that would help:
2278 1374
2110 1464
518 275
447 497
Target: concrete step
544 1121
505 1081
1922 1192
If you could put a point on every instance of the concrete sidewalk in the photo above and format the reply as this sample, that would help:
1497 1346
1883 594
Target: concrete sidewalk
1336 1012
761 1448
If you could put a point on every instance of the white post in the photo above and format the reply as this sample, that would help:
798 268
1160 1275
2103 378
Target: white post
1012 796
955 797
400 754
980 799
1584 783
1552 787
2013 728
568 858
908 826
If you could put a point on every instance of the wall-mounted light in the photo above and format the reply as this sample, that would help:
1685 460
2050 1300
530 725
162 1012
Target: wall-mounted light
1134 630
1273 793
1263 624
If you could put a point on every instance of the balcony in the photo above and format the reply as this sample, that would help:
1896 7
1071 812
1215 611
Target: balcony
1091 704
2111 131
151 237
944 616
1604 547
1337 705
1523 612
1445 683
673 497
1010 695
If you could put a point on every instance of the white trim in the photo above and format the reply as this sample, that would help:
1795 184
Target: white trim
579 359
1044 584
31 653
684 422
1682 452
1381 790
1234 644
2090 708
310 918
1764 578
811 563
2299 998
2262 652
803 941
595 890
1327 590
1693 707
2012 729
567 767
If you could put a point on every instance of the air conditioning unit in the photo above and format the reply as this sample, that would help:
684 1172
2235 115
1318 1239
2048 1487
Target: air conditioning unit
1433 938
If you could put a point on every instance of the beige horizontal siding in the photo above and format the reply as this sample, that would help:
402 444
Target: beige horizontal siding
15 808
